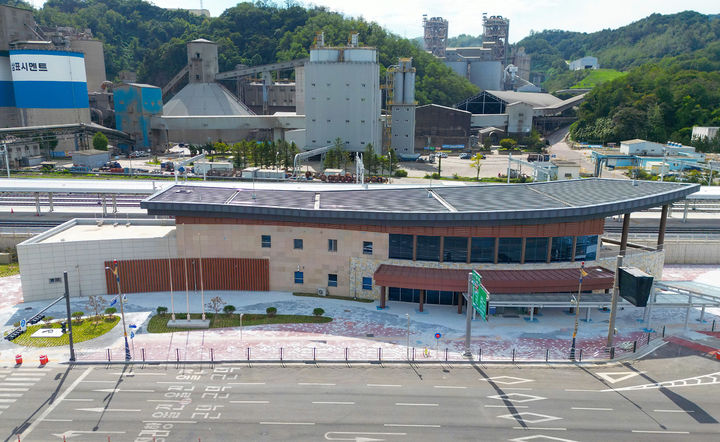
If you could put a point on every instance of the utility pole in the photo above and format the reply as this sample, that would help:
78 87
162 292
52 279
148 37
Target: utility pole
67 306
577 310
613 303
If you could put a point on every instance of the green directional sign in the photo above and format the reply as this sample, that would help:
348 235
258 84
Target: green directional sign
480 295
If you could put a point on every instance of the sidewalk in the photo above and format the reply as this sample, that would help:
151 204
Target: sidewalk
360 328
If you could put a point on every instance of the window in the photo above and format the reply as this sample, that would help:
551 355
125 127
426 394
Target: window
536 249
586 248
332 280
298 244
401 247
561 249
482 250
332 245
428 248
455 249
299 277
367 247
509 249
265 241
55 280
367 283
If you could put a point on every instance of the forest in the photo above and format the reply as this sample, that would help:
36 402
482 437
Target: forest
151 41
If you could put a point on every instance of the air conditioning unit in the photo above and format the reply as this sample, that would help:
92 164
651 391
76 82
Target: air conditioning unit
322 291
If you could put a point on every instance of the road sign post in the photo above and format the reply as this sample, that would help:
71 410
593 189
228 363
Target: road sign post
67 307
480 295
23 325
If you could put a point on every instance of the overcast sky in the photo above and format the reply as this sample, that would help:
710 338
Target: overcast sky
404 17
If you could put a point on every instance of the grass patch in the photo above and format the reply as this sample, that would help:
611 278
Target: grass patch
596 77
158 323
89 329
9 269
343 298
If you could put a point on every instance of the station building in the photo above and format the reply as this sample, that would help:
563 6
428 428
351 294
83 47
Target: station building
388 244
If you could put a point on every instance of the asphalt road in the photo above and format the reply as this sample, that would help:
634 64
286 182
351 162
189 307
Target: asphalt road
365 403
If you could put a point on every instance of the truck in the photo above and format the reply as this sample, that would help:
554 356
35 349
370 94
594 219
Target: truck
540 157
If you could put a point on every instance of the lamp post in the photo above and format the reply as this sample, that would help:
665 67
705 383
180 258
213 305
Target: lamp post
241 316
407 315
577 310
122 308
172 299
202 287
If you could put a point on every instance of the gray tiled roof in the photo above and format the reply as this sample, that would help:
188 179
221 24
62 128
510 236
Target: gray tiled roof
553 201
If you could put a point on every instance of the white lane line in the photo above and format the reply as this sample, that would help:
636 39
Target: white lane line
10 394
170 422
407 404
14 389
287 423
505 406
517 388
412 425
117 390
17 384
541 428
592 409
166 382
334 403
103 382
5 401
245 383
58 420
23 379
384 385
52 406
579 389
673 411
103 410
249 402
316 383
660 432
132 373
3 407
449 386
78 400
165 400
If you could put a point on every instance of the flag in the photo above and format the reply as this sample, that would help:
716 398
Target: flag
583 272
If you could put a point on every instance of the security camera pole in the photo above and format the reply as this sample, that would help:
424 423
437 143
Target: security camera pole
115 271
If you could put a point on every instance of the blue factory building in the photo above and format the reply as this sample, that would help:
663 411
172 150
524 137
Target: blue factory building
135 105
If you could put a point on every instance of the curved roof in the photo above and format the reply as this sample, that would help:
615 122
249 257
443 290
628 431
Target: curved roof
535 203
204 99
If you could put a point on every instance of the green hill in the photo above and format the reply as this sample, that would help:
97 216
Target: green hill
141 37
596 77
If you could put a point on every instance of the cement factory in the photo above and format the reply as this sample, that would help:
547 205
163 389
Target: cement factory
54 96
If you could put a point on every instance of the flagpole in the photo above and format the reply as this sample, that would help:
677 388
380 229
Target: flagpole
116 272
577 310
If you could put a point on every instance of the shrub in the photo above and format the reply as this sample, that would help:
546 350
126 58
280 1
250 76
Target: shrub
400 173
110 311
318 312
161 310
271 312
456 176
48 320
78 315
507 143
109 319
229 309
435 176
16 324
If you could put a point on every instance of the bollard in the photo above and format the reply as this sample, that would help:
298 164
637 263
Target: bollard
281 349
663 332
479 354
43 360
379 354
413 357
446 354
108 354
248 353
648 339
713 326
547 354
634 346
346 354
143 354
177 354
612 352
313 353
18 359
513 355
212 355
580 356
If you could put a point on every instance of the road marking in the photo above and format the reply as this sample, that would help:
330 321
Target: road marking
18 384
708 379
619 376
102 409
249 402
14 389
170 422
287 423
505 406
529 417
674 411
78 400
315 383
165 382
384 385
23 379
407 404
165 400
3 407
517 397
73 433
412 425
358 438
660 432
132 373
105 382
541 428
591 409
58 420
334 403
10 394
5 401
580 389
448 386
244 383
116 390
516 388
506 380
52 406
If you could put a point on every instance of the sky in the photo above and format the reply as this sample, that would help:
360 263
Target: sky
404 17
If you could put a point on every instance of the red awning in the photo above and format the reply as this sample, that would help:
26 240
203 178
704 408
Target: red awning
496 281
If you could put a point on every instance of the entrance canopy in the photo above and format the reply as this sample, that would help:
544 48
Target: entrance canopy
496 281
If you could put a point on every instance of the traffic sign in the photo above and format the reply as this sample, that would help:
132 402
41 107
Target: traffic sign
181 169
438 335
480 295
114 301
23 324
132 326
132 335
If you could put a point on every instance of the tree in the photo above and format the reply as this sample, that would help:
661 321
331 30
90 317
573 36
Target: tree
229 309
110 311
215 304
100 141
508 143
78 316
271 312
336 157
476 161
96 303
161 310
318 311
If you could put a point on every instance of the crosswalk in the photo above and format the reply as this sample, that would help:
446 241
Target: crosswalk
15 382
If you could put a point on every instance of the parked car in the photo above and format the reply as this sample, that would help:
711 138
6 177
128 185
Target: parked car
442 155
465 156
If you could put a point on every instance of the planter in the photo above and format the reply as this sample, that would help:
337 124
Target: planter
508 152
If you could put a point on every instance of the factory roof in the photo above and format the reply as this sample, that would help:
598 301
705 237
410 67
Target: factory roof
555 201
204 99
89 152
535 99
86 229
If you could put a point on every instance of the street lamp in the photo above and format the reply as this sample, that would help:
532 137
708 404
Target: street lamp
122 308
577 310
407 315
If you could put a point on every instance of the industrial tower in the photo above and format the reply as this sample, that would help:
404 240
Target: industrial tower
496 30
436 35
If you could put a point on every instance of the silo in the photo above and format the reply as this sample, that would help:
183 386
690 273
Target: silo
50 87
398 86
94 61
409 92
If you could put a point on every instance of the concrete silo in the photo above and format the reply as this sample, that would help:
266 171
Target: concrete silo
402 110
